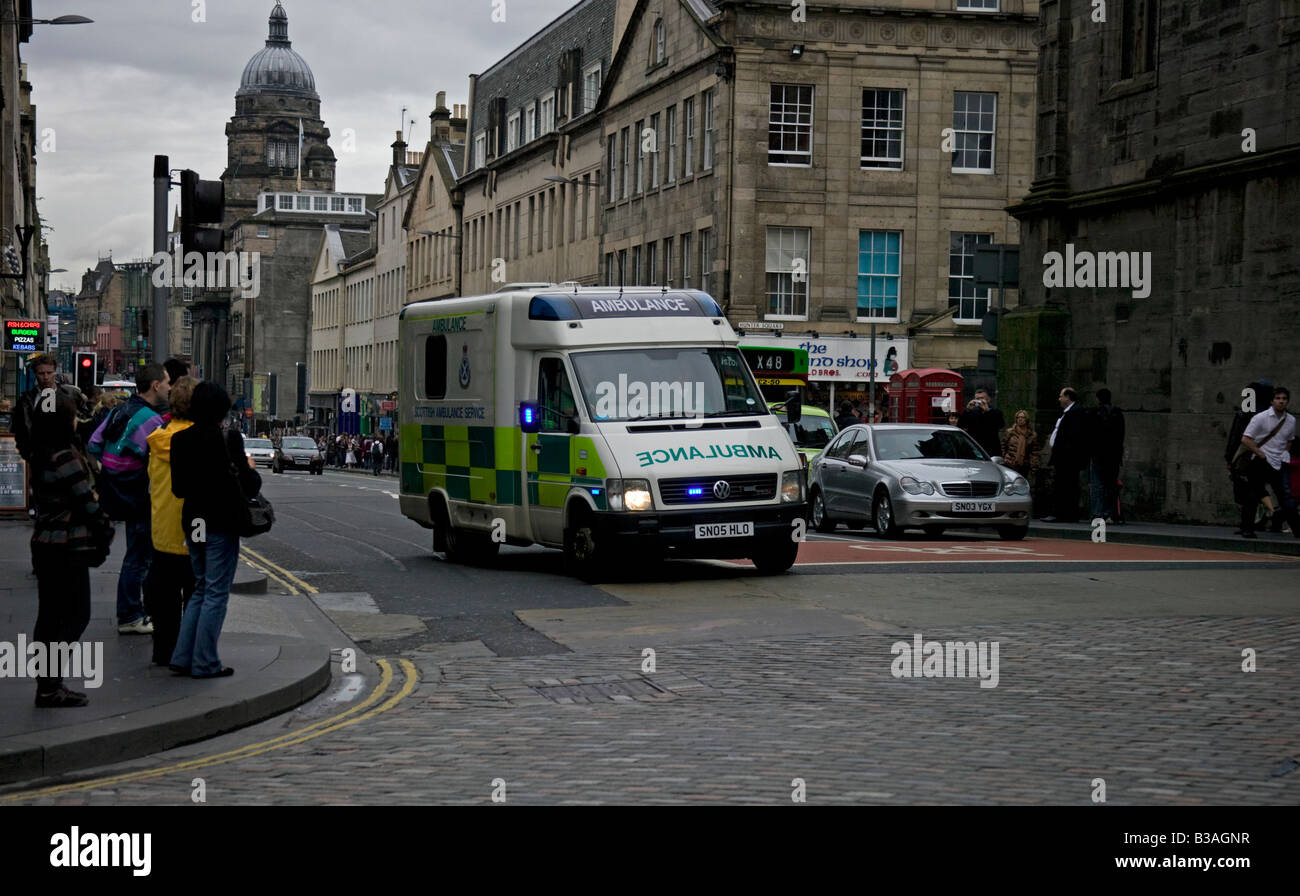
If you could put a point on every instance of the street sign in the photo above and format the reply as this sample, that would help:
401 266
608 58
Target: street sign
385 424
23 336
760 325
997 265
387 405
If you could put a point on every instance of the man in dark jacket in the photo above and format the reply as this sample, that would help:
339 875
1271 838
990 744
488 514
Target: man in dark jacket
1069 444
1107 452
984 422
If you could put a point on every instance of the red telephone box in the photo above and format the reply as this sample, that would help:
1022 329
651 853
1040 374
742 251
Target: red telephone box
924 395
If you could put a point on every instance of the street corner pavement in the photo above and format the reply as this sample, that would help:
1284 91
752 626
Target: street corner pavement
278 644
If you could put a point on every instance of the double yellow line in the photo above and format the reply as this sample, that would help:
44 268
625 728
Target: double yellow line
358 713
279 574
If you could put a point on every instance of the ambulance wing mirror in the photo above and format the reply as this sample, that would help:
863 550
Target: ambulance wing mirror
530 417
574 426
793 407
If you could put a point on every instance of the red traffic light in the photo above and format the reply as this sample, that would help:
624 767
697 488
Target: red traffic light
86 362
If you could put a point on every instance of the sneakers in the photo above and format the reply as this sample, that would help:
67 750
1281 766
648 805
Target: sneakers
142 626
61 698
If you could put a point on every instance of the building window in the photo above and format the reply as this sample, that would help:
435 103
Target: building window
285 202
611 156
879 254
789 125
988 5
530 124
281 154
668 261
670 163
627 162
686 261
688 125
706 260
263 230
651 264
634 272
970 301
640 158
654 156
480 151
1138 33
882 128
659 42
547 107
354 205
611 275
321 203
304 203
787 271
707 163
336 204
512 133
973 118
590 87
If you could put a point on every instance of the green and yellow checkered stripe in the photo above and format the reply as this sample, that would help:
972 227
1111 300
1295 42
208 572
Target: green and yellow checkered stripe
479 464
564 462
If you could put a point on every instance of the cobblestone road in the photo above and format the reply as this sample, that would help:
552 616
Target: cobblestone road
1159 708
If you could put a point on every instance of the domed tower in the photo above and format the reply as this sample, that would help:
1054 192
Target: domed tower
276 93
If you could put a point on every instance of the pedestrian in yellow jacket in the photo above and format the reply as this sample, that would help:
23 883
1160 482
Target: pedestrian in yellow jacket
171 578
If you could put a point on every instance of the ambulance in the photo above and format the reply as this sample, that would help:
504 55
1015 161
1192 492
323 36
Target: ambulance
619 425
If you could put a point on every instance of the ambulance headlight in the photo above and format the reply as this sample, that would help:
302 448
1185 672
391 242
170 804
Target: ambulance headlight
792 487
629 494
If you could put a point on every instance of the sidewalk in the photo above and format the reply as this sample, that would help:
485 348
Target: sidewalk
1214 538
279 646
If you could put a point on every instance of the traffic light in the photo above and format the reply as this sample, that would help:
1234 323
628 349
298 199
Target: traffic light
202 202
86 362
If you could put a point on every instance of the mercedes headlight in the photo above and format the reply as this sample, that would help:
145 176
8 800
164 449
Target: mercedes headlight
1017 486
914 486
628 494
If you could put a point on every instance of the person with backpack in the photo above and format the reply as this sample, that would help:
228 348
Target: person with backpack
1106 450
377 456
121 445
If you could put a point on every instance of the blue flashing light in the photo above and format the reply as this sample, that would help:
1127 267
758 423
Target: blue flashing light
695 491
595 492
527 415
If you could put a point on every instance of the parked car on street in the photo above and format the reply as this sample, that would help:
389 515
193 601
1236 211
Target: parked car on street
262 451
298 453
900 476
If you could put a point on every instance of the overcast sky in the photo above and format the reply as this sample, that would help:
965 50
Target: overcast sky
147 79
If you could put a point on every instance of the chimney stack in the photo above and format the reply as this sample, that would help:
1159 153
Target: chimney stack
399 150
440 119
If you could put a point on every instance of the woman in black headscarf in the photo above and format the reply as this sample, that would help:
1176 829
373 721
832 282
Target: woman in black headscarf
72 534
209 470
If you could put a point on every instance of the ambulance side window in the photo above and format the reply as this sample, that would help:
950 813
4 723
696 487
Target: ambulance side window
555 396
435 367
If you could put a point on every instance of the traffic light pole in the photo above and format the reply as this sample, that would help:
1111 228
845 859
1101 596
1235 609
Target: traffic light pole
162 183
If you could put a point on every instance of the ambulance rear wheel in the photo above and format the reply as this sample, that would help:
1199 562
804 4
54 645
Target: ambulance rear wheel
777 557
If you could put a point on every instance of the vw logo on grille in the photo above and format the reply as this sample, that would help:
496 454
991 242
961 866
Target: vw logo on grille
722 489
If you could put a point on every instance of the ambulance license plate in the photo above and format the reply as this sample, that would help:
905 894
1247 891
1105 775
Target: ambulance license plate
974 506
723 530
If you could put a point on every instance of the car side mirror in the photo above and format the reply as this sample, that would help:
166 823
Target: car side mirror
858 460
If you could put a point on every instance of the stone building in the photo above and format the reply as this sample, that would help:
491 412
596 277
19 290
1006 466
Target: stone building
279 188
531 184
112 308
1171 130
432 222
341 331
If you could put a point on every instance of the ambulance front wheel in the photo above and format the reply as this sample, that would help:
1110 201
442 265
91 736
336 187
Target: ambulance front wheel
776 557
586 554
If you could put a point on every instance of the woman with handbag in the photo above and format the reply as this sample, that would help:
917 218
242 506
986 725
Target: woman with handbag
211 474
72 534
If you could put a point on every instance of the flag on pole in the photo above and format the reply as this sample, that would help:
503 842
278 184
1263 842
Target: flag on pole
299 155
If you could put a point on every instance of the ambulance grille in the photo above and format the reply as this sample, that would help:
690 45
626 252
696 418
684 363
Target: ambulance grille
750 487
693 426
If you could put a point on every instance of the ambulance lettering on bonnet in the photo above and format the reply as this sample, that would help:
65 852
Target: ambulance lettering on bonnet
617 425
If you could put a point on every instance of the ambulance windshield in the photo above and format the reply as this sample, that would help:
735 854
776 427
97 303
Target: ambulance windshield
666 383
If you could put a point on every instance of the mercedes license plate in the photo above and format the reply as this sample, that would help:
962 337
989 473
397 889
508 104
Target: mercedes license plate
723 530
974 506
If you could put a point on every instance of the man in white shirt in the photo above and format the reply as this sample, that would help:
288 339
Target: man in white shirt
1069 458
1269 436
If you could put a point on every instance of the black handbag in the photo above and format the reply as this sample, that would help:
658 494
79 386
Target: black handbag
257 516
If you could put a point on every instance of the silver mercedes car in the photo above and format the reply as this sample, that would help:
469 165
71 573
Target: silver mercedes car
900 476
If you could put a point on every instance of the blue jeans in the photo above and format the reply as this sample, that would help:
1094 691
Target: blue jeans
214 562
1102 492
135 566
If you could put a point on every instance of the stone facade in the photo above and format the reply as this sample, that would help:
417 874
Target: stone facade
432 222
737 218
1168 129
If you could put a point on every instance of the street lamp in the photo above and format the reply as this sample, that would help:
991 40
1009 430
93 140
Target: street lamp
60 20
